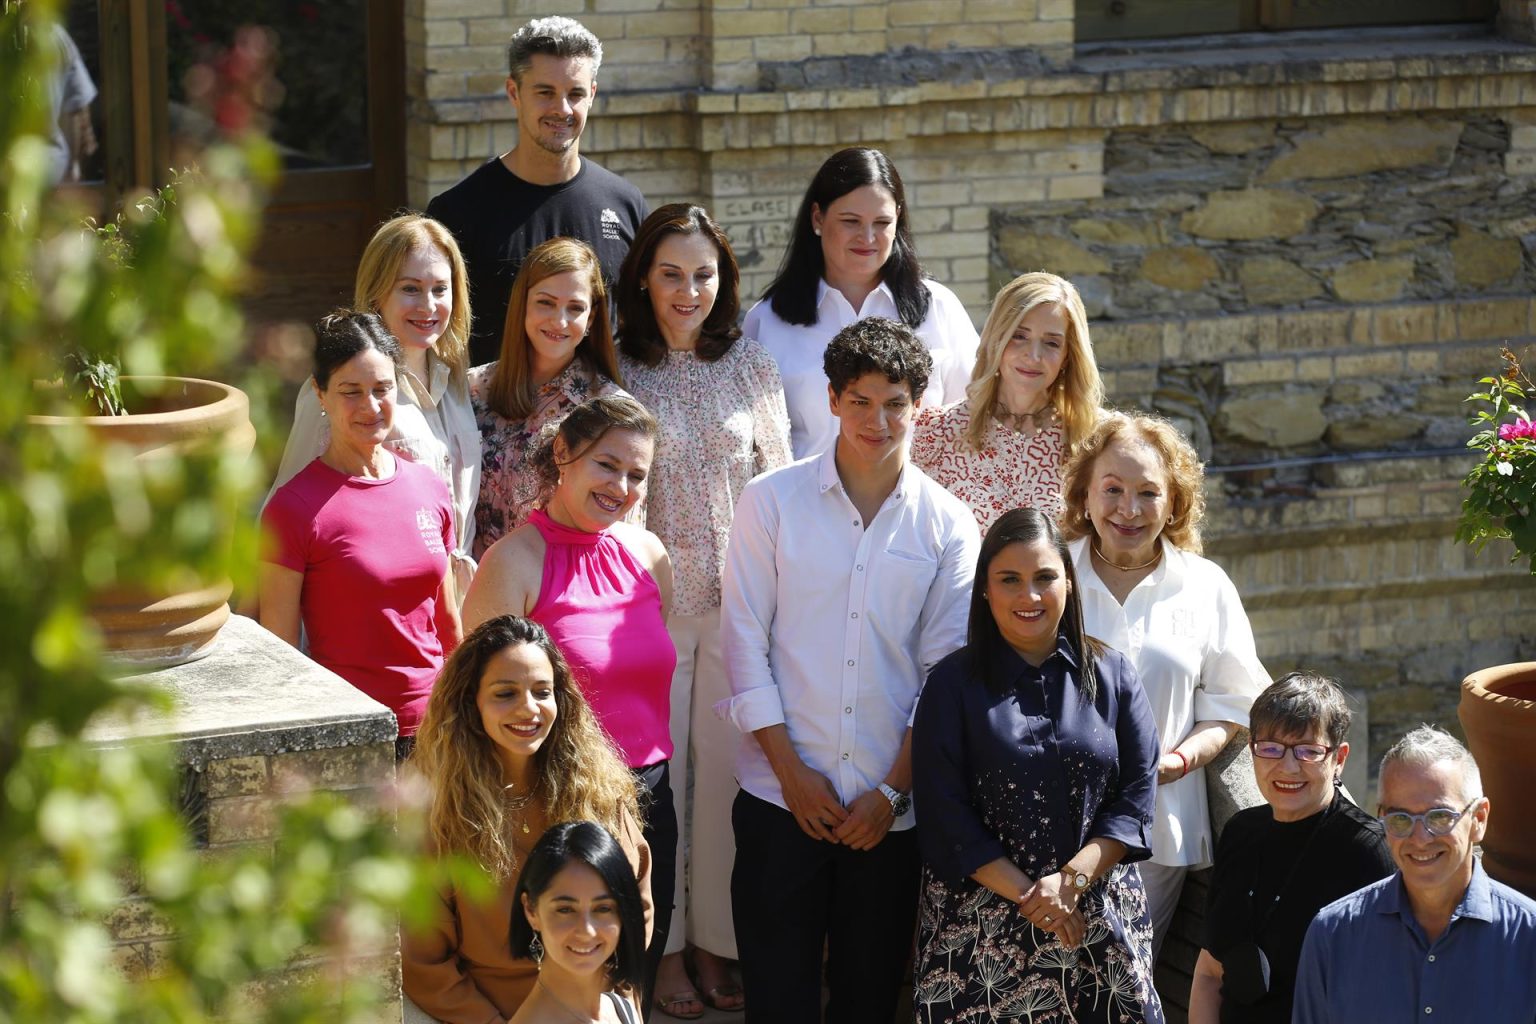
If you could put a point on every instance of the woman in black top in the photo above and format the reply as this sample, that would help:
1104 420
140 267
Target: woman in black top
1278 864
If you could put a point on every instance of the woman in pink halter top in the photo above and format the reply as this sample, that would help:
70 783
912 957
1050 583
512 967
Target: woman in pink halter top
602 588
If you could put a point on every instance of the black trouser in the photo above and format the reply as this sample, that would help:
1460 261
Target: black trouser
661 835
792 895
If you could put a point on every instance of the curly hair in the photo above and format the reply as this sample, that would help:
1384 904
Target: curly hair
394 241
510 391
639 336
877 345
1186 476
578 774
1077 393
582 428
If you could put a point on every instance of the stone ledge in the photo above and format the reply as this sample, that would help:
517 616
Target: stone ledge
253 696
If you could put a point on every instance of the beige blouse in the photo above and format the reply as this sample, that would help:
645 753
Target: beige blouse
722 423
1010 471
434 427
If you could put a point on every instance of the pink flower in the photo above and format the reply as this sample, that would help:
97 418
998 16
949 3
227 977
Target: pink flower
1517 429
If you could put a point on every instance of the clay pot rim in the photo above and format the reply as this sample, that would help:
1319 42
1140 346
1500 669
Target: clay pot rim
226 400
1475 685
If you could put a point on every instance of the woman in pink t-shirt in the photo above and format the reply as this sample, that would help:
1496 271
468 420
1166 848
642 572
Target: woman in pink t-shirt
359 538
602 587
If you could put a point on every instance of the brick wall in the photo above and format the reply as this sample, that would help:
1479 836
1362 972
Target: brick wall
1304 253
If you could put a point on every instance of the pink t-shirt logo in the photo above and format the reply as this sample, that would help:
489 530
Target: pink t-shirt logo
431 530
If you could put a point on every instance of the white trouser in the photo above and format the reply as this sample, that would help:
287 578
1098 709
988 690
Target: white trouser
704 786
1163 885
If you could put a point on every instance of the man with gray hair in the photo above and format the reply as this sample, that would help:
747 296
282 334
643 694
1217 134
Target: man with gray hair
541 188
1439 940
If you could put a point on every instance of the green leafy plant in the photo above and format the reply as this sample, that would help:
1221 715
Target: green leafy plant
1500 501
283 932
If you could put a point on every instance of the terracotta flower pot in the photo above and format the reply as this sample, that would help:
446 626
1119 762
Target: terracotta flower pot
143 629
1498 714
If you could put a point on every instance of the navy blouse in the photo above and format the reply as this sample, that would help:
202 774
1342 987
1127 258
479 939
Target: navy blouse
1031 771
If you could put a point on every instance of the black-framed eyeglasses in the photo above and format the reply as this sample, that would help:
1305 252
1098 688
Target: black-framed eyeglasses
1438 821
1274 750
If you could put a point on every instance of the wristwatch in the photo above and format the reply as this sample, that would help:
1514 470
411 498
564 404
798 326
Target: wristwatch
1078 879
900 802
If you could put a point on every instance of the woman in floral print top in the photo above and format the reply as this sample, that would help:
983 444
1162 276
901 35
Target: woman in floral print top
556 352
1034 394
720 404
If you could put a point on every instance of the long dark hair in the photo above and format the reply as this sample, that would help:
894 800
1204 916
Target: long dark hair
793 293
1025 526
639 336
585 842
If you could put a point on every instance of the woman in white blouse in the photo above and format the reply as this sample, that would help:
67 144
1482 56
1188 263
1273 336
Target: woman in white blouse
412 275
720 405
1134 502
851 256
1034 395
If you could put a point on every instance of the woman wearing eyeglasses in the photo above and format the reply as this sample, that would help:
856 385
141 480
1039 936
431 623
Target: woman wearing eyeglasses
1279 863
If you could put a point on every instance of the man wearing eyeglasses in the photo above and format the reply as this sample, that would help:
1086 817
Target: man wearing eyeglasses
1439 940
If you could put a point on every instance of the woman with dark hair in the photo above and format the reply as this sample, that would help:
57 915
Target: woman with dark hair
720 405
1035 393
602 587
1278 864
556 352
508 749
851 256
578 916
359 539
412 275
1134 499
1033 753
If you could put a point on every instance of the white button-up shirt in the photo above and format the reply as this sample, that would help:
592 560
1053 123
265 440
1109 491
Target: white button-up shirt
947 333
829 626
1185 630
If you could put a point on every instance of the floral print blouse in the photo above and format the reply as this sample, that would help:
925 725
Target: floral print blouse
1010 471
509 488
722 423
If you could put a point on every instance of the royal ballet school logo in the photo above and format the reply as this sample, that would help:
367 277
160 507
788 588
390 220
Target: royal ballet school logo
430 529
611 225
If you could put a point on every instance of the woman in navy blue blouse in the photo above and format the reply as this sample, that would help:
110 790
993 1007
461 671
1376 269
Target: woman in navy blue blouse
1034 758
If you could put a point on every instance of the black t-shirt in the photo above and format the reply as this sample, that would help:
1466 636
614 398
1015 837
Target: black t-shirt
1257 859
498 217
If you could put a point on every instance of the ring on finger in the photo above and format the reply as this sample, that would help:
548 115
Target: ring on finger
1047 918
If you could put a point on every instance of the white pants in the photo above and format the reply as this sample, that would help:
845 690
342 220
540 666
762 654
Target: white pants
704 786
1163 885
413 1014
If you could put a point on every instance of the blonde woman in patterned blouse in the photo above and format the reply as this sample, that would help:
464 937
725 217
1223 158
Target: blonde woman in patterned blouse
720 403
556 352
1034 394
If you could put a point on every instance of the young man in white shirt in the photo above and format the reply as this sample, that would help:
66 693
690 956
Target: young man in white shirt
847 577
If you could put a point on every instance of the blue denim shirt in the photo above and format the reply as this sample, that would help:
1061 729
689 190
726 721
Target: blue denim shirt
1366 959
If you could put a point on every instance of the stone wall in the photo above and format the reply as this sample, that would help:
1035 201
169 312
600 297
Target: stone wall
1305 248
255 722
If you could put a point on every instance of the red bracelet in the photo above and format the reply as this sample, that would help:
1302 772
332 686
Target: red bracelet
1182 760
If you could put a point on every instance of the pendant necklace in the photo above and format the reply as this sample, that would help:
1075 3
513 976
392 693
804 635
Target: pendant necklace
562 1004
517 803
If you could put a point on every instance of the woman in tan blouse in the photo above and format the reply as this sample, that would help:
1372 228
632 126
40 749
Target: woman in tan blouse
508 747
1034 394
720 405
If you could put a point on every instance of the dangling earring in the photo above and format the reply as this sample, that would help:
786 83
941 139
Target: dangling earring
536 950
322 412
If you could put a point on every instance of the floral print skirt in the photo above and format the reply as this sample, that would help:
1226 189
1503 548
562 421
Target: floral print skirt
979 960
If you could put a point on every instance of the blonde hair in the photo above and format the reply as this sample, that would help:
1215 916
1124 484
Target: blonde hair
1077 394
578 775
1186 476
379 268
510 391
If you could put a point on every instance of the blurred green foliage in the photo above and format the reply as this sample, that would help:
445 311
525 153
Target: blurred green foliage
83 828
